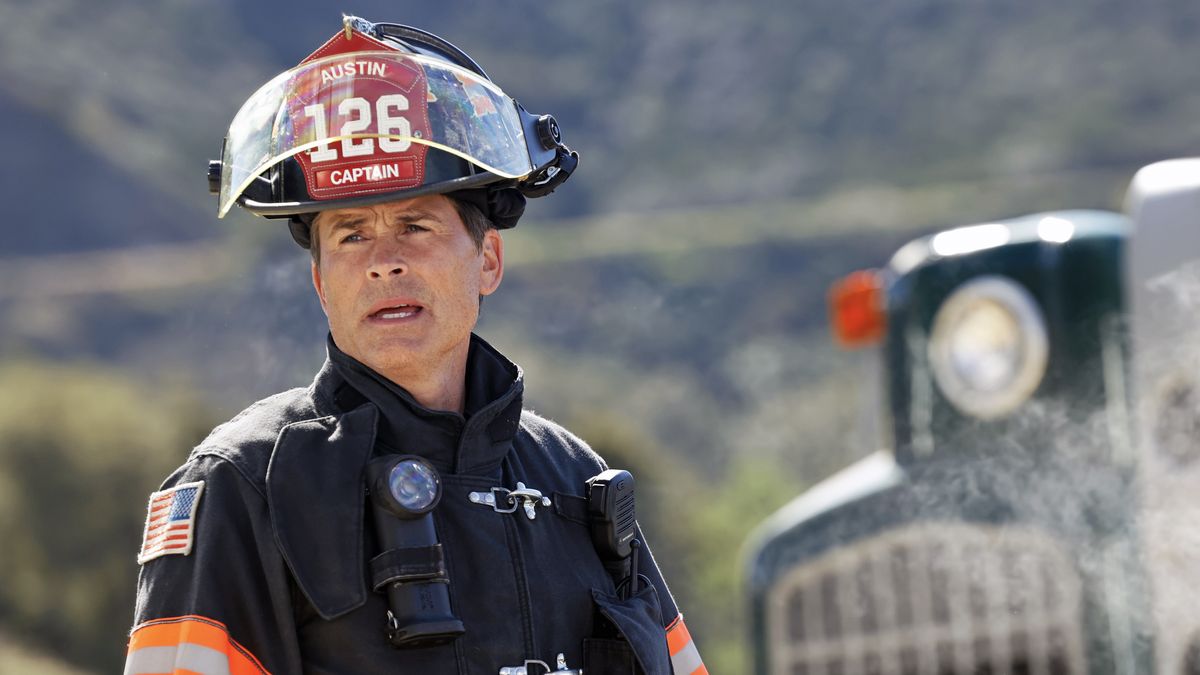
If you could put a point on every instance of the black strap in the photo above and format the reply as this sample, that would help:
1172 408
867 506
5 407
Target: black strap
421 563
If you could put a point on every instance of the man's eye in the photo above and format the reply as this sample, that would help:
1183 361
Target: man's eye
413 227
350 238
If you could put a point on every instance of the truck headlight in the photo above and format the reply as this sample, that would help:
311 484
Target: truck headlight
988 347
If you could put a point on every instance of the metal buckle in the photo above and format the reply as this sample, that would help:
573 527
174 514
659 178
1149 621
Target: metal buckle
503 500
495 498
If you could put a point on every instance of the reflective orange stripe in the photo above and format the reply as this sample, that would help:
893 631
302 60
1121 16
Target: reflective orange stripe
685 658
677 635
170 632
178 640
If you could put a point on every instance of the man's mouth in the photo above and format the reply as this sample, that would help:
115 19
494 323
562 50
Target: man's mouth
397 312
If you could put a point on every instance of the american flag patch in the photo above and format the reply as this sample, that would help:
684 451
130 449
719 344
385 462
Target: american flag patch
170 521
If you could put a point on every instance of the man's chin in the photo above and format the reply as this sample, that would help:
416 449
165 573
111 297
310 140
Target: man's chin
406 359
411 357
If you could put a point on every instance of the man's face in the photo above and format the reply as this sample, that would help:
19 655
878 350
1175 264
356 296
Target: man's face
400 283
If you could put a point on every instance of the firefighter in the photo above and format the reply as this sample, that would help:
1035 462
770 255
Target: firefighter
402 514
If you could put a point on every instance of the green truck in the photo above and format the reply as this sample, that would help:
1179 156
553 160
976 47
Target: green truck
1016 518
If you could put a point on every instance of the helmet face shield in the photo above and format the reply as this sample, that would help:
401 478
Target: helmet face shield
363 123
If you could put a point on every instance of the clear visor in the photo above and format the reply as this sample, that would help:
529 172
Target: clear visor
363 121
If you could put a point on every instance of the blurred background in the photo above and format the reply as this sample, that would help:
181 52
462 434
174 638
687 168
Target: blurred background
667 303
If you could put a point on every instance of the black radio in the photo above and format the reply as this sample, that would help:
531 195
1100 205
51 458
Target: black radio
613 520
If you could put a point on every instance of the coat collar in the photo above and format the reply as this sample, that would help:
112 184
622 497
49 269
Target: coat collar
473 443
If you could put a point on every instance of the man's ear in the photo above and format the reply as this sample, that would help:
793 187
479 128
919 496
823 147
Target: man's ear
317 284
492 269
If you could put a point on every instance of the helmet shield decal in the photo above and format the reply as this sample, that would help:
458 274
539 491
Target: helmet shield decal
337 98
361 123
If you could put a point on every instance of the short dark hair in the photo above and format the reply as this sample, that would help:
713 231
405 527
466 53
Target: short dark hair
473 218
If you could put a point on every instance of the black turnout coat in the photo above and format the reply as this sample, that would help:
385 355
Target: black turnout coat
282 538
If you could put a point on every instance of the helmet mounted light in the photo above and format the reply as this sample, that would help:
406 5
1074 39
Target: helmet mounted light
382 112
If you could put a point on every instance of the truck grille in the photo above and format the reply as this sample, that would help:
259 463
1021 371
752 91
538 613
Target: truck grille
940 599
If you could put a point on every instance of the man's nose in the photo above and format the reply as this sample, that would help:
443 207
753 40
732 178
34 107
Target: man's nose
388 261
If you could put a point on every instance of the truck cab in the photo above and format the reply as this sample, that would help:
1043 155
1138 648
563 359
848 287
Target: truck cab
996 530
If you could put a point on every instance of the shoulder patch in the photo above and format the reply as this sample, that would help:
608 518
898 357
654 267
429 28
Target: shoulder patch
170 521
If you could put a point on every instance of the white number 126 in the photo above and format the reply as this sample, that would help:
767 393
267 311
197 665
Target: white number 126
359 109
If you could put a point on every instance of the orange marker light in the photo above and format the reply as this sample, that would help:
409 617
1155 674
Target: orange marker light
856 309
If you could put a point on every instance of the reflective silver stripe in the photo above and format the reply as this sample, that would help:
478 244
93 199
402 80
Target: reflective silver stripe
686 660
186 656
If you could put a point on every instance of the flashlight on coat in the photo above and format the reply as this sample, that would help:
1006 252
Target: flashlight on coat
410 570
